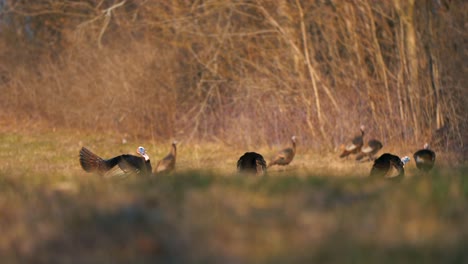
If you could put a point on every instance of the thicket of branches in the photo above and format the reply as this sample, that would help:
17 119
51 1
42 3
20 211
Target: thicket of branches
249 71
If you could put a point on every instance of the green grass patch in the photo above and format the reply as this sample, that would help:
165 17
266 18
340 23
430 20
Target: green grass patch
52 211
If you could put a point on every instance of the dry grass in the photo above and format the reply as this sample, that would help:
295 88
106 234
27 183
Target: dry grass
319 209
250 73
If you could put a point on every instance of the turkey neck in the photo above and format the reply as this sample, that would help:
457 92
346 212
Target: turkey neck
174 150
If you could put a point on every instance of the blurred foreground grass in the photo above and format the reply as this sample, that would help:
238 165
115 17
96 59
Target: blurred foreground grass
53 212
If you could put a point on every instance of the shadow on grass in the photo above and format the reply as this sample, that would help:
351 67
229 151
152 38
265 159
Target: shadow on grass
135 233
202 217
342 249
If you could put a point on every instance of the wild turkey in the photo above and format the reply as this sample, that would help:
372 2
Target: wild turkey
119 165
355 145
167 164
285 156
389 166
425 158
251 163
373 146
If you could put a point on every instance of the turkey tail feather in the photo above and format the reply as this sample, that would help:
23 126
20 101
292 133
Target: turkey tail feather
90 161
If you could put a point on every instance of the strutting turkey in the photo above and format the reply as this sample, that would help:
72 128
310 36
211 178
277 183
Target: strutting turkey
373 146
389 166
251 163
116 166
425 158
355 145
285 156
167 164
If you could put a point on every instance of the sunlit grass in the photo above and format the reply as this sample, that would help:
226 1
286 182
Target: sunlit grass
318 210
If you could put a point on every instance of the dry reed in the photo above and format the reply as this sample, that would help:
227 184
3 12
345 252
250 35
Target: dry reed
245 72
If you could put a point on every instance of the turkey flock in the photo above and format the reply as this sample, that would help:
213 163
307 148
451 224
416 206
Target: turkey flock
386 165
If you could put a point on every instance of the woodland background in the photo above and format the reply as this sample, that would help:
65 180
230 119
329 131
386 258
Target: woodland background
242 72
224 77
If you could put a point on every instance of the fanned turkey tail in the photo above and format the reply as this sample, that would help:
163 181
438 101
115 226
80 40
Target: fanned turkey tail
91 162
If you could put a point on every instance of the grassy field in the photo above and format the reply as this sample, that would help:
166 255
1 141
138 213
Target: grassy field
318 210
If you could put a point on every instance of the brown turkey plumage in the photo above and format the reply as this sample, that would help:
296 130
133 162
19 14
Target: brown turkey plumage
167 164
285 156
373 146
355 145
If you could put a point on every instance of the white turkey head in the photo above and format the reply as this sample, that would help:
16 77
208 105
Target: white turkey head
405 160
141 150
